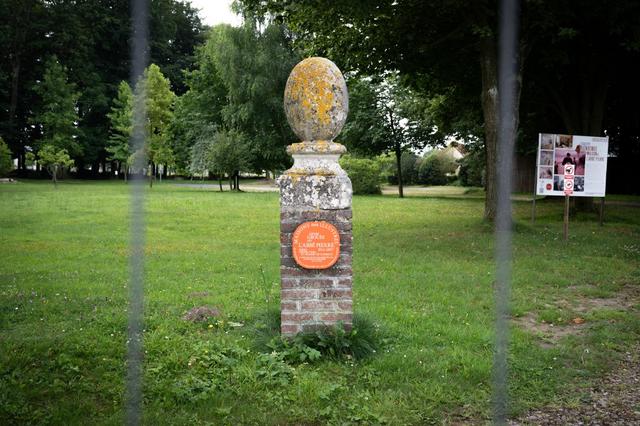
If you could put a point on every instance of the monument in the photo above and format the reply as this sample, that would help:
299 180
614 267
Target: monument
315 203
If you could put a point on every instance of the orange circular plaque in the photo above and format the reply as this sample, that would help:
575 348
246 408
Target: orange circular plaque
316 245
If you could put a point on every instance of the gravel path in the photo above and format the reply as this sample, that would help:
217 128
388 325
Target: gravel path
613 400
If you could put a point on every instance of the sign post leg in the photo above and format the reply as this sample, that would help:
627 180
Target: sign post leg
601 211
566 218
533 206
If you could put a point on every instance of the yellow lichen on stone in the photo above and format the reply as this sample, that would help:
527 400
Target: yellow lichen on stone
316 147
309 172
316 100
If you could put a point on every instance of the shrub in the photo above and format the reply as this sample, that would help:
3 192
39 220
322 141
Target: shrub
410 164
364 174
435 169
5 158
361 341
472 169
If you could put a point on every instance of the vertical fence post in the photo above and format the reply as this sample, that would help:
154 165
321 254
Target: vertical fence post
565 226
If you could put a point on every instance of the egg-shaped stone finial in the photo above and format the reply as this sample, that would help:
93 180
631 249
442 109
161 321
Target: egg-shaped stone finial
316 101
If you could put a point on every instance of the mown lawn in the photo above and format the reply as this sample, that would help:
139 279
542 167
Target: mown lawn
423 272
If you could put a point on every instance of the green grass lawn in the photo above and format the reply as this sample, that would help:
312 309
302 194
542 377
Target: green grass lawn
423 271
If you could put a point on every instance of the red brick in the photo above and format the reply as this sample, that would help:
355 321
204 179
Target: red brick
345 305
334 317
288 306
295 317
288 227
345 214
311 282
343 227
317 305
289 283
288 261
344 282
335 294
286 251
289 329
285 238
288 295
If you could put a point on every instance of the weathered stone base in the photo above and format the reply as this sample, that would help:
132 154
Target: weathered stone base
312 299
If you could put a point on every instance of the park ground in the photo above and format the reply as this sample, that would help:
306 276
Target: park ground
423 274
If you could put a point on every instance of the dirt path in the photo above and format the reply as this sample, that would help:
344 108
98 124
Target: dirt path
613 400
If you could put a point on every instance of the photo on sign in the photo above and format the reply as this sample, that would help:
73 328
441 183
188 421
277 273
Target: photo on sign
545 173
564 141
578 184
579 157
546 158
547 140
558 183
570 156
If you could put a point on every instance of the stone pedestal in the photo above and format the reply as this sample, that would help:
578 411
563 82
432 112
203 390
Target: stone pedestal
315 204
315 189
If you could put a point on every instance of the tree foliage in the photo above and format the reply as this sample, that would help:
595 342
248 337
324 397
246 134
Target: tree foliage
254 66
121 117
387 116
159 102
6 165
235 94
436 168
365 174
54 160
91 37
57 118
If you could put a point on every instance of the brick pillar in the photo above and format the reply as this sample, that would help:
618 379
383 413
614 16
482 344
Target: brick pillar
315 189
315 298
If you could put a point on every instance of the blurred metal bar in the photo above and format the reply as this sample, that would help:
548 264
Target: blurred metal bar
139 59
507 91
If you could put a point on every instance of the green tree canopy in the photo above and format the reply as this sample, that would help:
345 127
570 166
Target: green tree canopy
54 160
121 117
254 66
6 165
159 102
57 116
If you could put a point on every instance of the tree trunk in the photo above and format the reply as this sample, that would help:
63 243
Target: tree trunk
220 182
489 70
152 174
398 152
55 176
237 174
230 182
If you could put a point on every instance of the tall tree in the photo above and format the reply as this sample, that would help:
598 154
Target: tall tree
175 31
435 40
121 117
54 160
387 117
229 153
199 111
254 66
91 37
57 118
159 102
22 29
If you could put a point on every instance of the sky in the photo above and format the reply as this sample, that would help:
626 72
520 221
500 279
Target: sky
214 12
